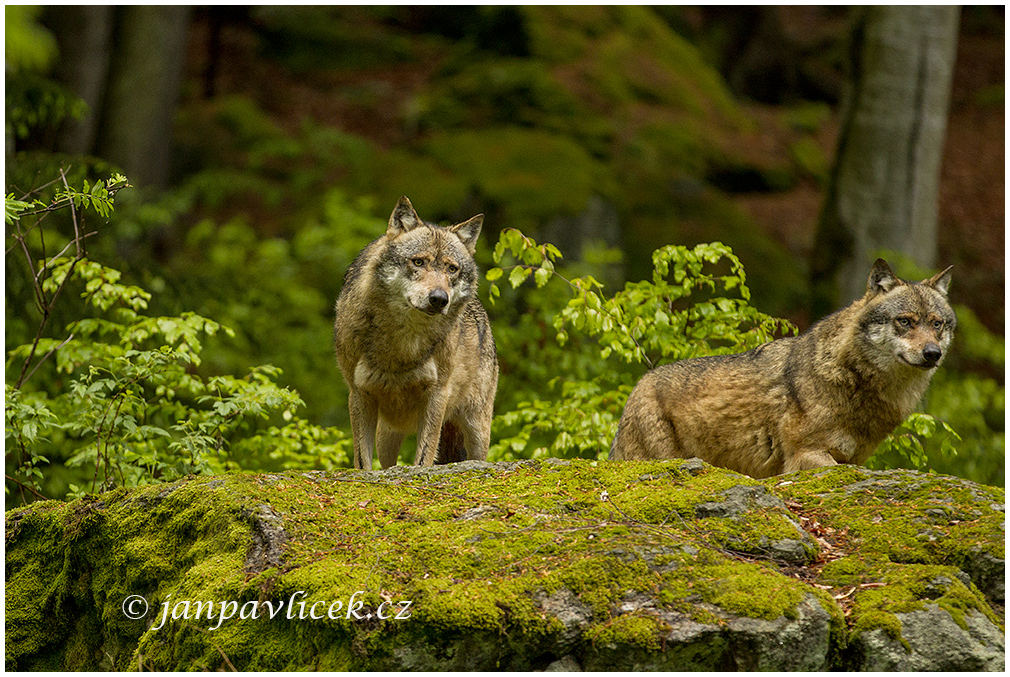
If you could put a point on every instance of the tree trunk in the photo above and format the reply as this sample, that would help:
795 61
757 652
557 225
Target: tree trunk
84 34
146 71
884 188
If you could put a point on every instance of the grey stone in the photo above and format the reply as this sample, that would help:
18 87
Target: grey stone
935 642
564 664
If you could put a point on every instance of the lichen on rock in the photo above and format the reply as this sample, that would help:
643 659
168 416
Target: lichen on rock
526 565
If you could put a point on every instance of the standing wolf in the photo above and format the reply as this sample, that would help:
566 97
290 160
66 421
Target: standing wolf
828 396
414 343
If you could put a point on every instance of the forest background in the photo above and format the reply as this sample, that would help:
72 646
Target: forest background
178 319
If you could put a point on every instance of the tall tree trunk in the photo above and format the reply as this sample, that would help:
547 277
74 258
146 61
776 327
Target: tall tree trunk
884 188
84 34
143 88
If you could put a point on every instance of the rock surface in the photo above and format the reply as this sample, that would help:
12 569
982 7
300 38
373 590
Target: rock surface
551 565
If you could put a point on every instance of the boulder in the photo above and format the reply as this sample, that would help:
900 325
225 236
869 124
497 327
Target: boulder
534 565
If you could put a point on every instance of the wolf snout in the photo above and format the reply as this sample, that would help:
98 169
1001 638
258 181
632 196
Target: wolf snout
931 354
438 299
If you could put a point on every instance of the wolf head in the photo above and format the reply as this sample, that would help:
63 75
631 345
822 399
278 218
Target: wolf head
907 324
429 268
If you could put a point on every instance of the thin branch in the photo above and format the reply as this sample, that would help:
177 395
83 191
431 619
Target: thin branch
48 355
73 214
233 668
60 204
46 305
25 486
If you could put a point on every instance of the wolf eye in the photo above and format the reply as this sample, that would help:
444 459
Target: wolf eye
453 269
418 262
938 324
904 321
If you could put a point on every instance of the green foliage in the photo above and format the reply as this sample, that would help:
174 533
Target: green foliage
496 92
31 100
535 175
645 323
809 158
652 320
99 196
906 442
27 45
118 401
311 37
277 294
34 102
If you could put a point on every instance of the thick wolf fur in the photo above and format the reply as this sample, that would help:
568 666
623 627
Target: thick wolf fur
414 343
828 396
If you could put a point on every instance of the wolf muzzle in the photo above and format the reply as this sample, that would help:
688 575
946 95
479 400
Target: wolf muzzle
931 354
438 299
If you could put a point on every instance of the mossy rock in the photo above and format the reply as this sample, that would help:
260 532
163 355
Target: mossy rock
525 565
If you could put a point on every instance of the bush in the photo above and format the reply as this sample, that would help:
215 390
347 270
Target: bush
114 399
697 303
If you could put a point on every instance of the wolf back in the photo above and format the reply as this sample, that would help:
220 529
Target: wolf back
828 396
414 343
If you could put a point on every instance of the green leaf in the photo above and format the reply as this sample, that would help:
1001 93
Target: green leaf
518 276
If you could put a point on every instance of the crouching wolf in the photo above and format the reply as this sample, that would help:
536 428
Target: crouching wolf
828 396
414 343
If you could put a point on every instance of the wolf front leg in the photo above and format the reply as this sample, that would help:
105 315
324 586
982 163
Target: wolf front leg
429 426
807 460
364 417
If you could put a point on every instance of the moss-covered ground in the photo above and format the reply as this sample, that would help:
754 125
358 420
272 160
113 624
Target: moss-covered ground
905 538
508 565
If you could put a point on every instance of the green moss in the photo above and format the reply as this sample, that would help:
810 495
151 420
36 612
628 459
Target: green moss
478 554
809 158
902 516
846 571
630 54
807 116
562 34
910 587
753 591
910 533
880 620
641 632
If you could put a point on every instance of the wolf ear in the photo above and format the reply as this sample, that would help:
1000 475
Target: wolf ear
403 218
882 278
468 231
940 281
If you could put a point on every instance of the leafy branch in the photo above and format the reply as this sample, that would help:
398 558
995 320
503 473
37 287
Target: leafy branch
651 320
53 273
133 408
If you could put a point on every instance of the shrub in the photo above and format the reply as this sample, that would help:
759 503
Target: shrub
114 398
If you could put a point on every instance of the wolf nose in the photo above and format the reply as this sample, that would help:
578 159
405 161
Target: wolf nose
931 353
438 299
